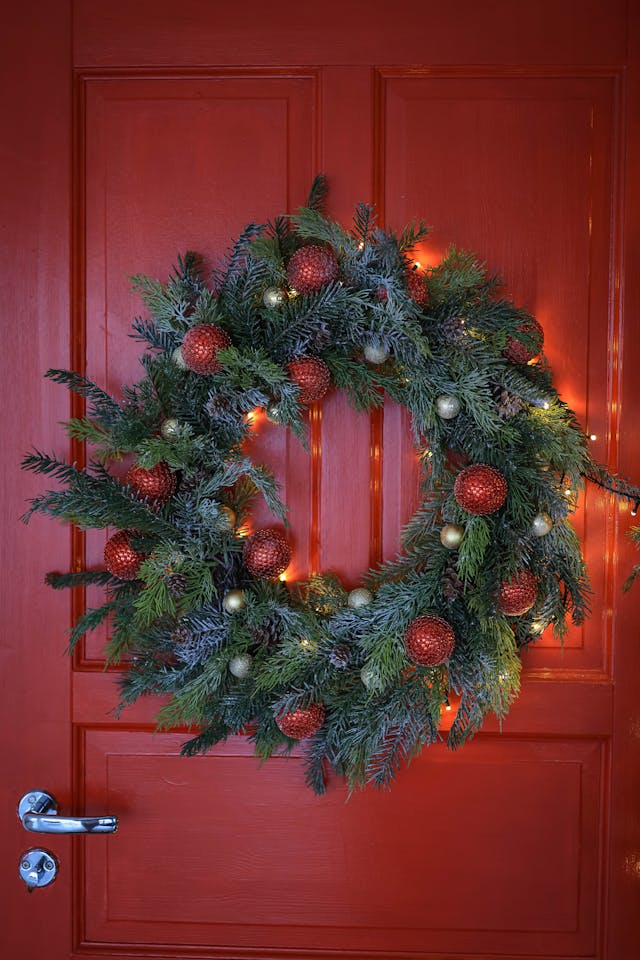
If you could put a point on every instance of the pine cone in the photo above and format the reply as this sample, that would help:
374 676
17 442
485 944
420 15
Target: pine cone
176 585
190 483
452 585
340 656
217 405
453 330
180 634
230 576
509 405
267 633
321 338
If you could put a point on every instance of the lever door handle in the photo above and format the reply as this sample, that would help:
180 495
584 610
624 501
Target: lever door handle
38 812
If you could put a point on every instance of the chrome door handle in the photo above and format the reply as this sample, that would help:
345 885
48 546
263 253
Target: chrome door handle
38 812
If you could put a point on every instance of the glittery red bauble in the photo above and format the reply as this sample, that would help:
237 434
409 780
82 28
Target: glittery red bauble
518 352
518 594
120 558
416 288
266 554
302 723
429 641
156 484
312 268
312 376
480 489
201 345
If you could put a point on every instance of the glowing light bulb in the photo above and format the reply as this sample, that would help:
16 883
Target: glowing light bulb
361 245
448 706
568 492
282 577
545 405
593 436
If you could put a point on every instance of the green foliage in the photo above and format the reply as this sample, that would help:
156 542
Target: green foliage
306 643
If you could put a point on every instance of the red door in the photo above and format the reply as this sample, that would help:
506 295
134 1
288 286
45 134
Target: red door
139 130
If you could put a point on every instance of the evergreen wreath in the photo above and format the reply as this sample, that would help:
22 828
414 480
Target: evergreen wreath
488 561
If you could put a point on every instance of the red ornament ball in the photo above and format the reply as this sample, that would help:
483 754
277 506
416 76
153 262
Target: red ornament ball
417 289
480 489
266 554
312 268
157 484
312 376
303 722
518 352
120 558
429 641
201 345
518 594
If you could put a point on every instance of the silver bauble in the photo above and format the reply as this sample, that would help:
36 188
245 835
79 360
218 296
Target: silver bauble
374 353
240 666
447 406
272 411
542 524
233 601
273 297
360 597
451 535
169 428
178 359
368 676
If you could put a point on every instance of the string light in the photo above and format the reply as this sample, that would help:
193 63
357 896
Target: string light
282 577
593 436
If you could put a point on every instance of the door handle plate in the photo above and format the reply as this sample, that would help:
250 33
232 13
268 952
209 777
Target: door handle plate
38 868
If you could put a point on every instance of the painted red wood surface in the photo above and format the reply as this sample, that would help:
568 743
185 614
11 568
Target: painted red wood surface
141 129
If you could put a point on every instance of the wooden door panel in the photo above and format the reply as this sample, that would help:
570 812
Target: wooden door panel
196 867
524 177
169 165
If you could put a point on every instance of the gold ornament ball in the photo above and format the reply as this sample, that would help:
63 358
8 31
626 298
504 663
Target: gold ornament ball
451 536
373 353
240 666
169 428
227 517
360 597
542 524
178 359
233 601
273 297
447 406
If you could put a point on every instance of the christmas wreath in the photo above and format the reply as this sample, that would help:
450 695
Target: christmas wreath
197 609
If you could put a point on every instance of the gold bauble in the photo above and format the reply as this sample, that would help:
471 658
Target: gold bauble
233 601
227 517
542 524
169 428
451 536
